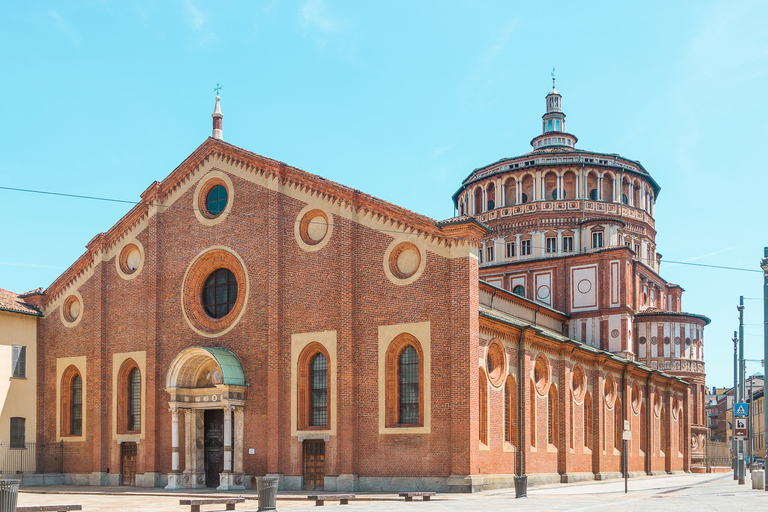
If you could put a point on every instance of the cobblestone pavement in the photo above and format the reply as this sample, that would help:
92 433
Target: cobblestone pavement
678 493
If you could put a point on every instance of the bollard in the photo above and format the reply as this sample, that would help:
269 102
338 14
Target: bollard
9 489
521 486
758 479
266 486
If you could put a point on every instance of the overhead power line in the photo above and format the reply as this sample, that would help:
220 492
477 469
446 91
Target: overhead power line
125 201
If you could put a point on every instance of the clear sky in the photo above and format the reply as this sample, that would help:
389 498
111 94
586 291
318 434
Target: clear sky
399 99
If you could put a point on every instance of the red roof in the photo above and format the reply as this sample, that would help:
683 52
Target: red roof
10 301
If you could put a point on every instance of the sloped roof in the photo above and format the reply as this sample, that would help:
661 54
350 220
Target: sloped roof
10 301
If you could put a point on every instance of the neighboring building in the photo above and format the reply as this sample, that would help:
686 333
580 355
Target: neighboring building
18 383
249 318
574 230
758 424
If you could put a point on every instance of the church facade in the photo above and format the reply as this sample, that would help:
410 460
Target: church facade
248 318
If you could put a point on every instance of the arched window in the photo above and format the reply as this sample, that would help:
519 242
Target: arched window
552 421
314 387
509 413
519 290
318 381
129 398
482 401
71 411
588 420
404 367
478 201
134 398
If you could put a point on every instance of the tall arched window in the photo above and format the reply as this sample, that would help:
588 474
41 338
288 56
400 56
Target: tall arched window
552 416
76 425
134 397
71 407
409 385
129 398
588 420
404 367
482 401
318 415
314 388
509 413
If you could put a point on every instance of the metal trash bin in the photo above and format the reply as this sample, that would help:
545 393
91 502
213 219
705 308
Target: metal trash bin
266 486
9 490
521 486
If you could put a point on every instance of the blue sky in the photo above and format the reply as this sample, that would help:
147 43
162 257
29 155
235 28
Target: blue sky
400 100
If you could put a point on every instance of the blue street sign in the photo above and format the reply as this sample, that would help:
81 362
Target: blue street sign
741 409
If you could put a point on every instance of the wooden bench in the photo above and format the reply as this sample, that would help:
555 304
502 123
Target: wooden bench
196 503
49 508
320 498
424 495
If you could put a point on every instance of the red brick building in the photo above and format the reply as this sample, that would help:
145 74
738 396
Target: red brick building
249 318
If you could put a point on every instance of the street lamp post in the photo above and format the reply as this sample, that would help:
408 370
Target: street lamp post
734 443
742 392
764 266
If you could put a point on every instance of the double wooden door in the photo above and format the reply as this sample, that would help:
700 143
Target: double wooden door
128 463
314 465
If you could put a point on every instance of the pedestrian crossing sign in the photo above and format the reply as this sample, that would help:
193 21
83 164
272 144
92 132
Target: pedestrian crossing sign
741 409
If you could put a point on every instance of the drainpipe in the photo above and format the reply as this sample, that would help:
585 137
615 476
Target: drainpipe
625 461
521 481
648 425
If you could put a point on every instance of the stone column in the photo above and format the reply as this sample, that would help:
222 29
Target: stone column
174 439
228 439
239 440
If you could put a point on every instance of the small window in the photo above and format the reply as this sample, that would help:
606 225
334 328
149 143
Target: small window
624 199
593 194
491 204
549 125
19 361
216 200
567 244
551 244
519 290
557 125
18 433
637 251
480 257
220 293
524 198
510 249
525 248
597 240
489 253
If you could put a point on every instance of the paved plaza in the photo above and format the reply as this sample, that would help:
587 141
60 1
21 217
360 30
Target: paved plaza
678 493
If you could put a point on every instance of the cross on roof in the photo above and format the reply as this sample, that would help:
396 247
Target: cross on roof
218 87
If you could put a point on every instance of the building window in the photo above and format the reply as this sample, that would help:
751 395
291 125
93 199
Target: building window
19 361
489 253
491 204
597 240
405 383
510 249
219 293
567 244
76 428
509 416
593 194
483 405
71 407
129 398
552 416
523 197
313 387
319 391
134 399
216 200
525 248
18 434
551 244
624 199
519 290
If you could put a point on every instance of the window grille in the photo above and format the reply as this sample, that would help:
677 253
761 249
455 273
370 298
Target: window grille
18 433
409 385
220 293
134 395
319 391
76 426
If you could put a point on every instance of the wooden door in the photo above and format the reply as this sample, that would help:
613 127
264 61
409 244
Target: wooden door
214 446
314 465
128 463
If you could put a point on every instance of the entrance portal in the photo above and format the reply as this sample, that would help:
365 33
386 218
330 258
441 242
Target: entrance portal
214 446
314 465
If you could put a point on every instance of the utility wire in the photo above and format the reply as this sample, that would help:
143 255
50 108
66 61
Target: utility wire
256 215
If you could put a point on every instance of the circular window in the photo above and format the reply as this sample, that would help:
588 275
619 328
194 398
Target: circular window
657 402
495 363
637 397
524 198
214 291
677 340
72 309
666 340
578 383
675 405
404 262
609 389
519 290
130 259
216 200
219 293
541 374
314 227
642 340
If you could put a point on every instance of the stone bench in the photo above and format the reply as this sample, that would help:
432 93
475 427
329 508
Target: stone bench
320 498
196 503
49 508
425 496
